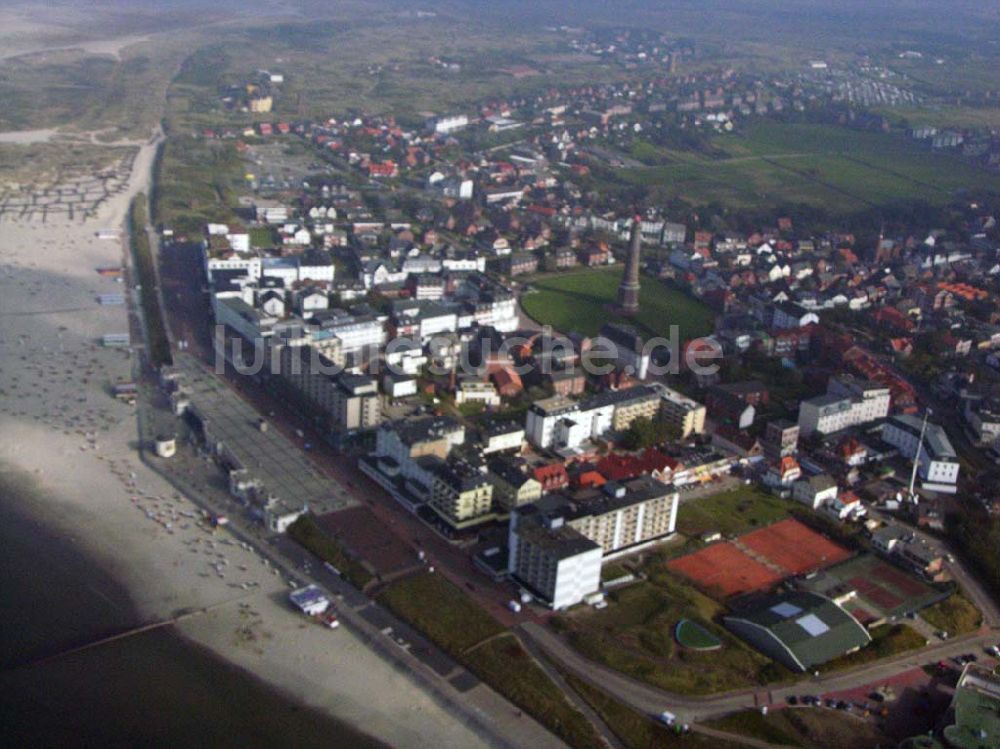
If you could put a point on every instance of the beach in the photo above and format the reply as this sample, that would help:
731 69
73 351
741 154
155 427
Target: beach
66 434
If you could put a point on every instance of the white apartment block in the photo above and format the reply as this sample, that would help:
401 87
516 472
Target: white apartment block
553 561
938 464
847 403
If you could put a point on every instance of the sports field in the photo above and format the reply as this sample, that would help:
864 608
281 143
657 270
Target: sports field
724 570
883 589
760 559
836 168
581 301
794 547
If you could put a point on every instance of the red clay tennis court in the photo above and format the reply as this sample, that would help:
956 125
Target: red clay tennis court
794 547
724 568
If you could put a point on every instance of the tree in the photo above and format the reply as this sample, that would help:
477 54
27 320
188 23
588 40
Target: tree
645 432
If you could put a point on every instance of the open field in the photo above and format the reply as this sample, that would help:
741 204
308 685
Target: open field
732 512
307 532
198 181
579 300
887 641
809 727
441 611
635 730
956 615
635 635
829 167
476 640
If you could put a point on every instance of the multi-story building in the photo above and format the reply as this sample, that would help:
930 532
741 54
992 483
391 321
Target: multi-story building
502 437
937 463
681 412
552 560
513 486
355 403
781 438
620 517
462 494
627 348
848 402
403 443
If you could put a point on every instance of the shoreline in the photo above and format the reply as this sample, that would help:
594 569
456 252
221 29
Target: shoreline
65 430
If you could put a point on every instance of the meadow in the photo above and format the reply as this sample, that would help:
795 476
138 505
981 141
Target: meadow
836 168
581 301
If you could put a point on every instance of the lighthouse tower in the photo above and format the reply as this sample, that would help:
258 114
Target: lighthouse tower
628 292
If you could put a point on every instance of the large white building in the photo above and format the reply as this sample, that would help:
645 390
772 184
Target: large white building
848 402
552 560
938 464
444 125
559 423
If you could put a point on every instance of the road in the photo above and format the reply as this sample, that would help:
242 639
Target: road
652 701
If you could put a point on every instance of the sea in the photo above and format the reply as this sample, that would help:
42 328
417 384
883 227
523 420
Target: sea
155 689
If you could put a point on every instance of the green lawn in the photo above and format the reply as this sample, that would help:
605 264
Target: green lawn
504 664
638 731
887 641
307 533
811 727
732 512
456 624
836 168
956 615
635 635
441 611
144 264
580 300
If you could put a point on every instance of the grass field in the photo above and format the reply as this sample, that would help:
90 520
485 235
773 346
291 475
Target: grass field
836 168
441 611
635 730
454 622
579 301
956 615
887 641
732 512
803 727
157 342
634 635
307 533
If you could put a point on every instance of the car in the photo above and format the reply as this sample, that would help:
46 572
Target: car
842 705
831 703
792 699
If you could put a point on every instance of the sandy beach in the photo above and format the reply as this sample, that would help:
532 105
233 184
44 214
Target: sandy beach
61 425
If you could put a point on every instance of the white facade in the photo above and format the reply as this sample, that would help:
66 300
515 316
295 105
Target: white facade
450 124
938 464
511 440
843 407
816 491
563 569
249 265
